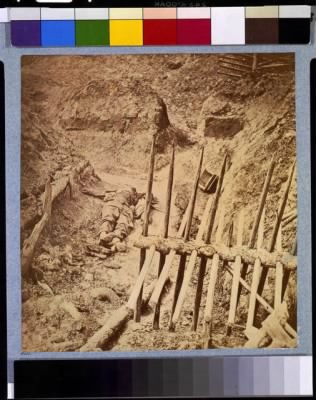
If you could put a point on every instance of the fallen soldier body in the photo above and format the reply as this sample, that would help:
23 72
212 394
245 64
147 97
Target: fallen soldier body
120 210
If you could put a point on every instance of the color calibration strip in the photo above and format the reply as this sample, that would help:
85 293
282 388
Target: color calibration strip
162 377
70 27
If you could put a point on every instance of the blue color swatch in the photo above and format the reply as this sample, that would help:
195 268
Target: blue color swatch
58 33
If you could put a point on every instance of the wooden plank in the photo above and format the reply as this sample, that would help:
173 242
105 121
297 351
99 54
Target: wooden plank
263 302
140 279
286 273
183 258
276 228
257 271
281 208
169 195
278 273
262 202
213 210
177 288
138 304
210 302
164 275
253 293
192 201
105 334
254 231
278 285
236 277
208 234
162 257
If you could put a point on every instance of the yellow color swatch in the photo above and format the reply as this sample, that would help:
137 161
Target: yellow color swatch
126 32
126 13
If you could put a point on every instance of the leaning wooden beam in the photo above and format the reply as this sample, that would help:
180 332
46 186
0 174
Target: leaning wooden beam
257 270
254 231
60 185
31 242
140 279
281 208
286 273
209 302
208 233
193 257
262 201
211 286
183 257
113 325
249 256
138 304
253 292
278 274
265 304
192 201
236 276
188 275
162 257
276 228
164 275
201 275
105 335
52 191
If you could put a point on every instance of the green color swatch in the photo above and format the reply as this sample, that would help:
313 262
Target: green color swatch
92 33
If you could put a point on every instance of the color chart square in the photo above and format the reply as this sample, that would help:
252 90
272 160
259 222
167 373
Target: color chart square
294 31
160 32
126 32
26 33
262 30
92 33
194 31
58 33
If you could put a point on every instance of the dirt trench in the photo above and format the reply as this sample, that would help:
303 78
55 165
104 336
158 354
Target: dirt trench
250 120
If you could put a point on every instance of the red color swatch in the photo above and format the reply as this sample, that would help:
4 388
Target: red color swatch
160 32
194 31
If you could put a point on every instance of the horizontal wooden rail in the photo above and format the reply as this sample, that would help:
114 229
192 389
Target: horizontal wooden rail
247 255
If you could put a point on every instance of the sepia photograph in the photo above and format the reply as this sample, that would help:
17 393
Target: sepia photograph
158 202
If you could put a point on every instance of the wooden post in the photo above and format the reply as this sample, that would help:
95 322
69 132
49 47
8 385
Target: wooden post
212 207
191 204
210 302
165 270
236 277
208 234
162 257
263 197
183 258
281 209
140 279
257 271
286 273
276 229
137 311
278 273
